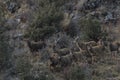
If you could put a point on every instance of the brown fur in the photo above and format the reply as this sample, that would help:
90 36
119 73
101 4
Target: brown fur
97 50
54 61
114 46
35 46
66 60
83 45
79 56
63 52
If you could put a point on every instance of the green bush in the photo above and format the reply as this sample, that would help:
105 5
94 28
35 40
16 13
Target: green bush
42 76
77 73
5 49
22 66
46 21
72 29
39 72
26 70
90 29
4 52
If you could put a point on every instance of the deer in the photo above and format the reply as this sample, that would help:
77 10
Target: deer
98 50
35 46
66 60
54 61
114 48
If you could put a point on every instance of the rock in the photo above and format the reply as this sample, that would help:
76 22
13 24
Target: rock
19 35
91 4
12 7
18 20
109 16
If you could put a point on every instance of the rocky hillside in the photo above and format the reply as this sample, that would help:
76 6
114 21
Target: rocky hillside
59 39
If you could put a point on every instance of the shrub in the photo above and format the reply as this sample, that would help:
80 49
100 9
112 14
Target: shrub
78 73
90 29
72 29
25 70
63 41
45 55
5 49
47 20
4 52
40 33
39 72
22 66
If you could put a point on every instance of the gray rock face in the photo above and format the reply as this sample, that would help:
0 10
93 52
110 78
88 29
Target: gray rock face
91 4
12 7
109 16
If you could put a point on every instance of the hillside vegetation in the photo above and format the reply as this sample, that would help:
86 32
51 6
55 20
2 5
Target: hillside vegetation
59 39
